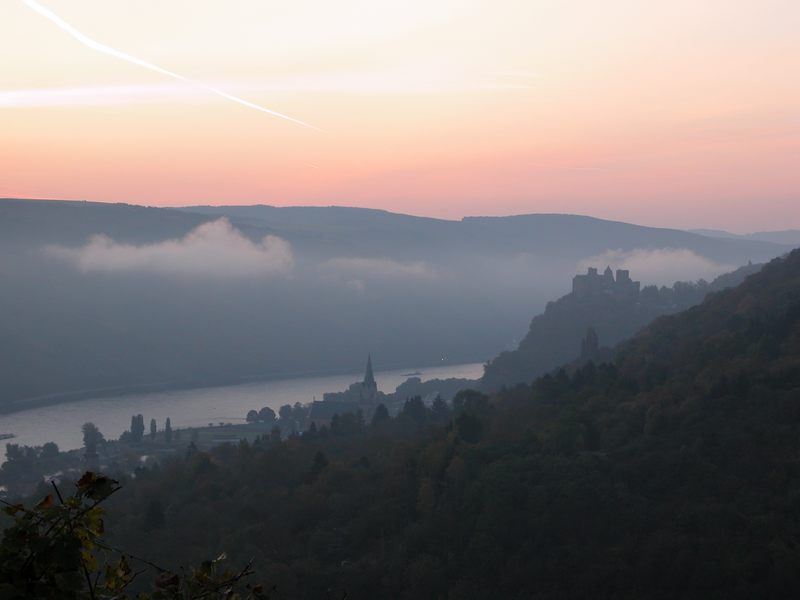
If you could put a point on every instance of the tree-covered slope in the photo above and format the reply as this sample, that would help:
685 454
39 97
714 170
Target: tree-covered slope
674 472
554 337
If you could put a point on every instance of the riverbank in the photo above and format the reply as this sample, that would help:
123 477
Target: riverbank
195 407
22 404
29 468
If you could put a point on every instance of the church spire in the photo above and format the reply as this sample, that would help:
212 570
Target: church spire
369 376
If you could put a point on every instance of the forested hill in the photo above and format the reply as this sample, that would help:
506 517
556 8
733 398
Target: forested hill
747 335
554 337
673 473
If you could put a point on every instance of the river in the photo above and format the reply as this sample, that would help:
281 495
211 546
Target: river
61 423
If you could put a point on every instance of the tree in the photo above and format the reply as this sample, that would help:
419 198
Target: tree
55 551
154 515
137 429
440 411
415 410
285 412
153 429
191 449
275 435
252 416
471 401
468 427
266 415
359 422
49 450
318 465
91 438
21 460
14 452
381 415
168 431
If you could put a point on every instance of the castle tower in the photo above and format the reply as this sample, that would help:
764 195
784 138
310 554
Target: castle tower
369 377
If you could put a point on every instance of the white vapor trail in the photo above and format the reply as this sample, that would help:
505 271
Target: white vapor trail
94 45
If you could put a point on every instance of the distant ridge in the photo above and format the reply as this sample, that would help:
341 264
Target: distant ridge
788 237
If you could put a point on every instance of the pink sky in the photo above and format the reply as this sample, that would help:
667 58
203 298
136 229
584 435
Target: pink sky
682 114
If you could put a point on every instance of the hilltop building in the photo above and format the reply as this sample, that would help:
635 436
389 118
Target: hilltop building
361 396
593 284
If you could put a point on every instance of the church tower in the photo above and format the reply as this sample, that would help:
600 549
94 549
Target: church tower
369 377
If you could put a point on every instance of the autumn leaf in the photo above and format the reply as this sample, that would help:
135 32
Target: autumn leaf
47 502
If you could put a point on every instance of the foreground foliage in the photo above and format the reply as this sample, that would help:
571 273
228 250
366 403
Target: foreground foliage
56 550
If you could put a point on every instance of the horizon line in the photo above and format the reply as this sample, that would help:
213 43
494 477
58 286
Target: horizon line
693 230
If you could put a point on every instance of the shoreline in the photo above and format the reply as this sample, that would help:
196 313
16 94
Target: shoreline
17 406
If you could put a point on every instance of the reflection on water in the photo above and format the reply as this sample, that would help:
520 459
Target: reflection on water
61 423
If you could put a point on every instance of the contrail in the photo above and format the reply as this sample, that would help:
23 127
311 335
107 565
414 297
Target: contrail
87 41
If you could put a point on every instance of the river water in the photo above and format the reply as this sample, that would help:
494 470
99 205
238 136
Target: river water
61 423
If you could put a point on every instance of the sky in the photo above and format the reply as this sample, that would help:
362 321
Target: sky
679 114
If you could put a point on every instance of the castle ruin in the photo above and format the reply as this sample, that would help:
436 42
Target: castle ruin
593 284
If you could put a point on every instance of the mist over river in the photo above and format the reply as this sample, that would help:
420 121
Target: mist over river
61 423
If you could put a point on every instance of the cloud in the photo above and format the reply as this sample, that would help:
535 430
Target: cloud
95 95
215 249
108 50
375 268
662 266
415 79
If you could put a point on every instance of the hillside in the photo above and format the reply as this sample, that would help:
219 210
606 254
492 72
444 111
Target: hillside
671 473
554 337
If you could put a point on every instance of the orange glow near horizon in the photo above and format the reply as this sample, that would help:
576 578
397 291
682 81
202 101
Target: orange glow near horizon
681 114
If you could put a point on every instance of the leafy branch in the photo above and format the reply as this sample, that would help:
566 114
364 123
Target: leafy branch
55 550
